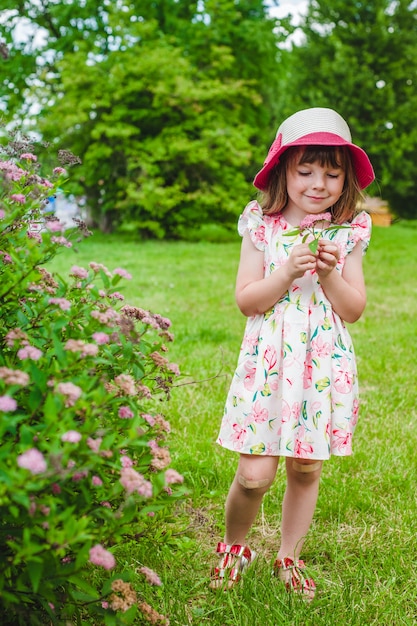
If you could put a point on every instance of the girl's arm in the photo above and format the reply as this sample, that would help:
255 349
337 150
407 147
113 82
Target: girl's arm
255 293
345 291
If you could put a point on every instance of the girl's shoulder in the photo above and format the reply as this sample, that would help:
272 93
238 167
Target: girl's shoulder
260 226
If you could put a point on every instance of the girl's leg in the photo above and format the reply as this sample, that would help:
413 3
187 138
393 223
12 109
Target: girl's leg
298 505
254 476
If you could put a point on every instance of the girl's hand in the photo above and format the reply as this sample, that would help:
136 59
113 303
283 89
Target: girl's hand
328 254
301 260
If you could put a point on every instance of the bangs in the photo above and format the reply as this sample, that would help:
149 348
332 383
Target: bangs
325 156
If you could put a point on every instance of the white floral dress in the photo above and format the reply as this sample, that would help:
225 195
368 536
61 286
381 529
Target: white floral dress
295 390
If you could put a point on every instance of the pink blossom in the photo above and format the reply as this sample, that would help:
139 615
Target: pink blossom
310 220
55 226
77 476
62 241
56 489
29 352
173 367
151 577
97 267
59 170
123 273
126 383
101 338
6 257
14 377
71 391
126 461
125 412
78 272
116 296
13 172
148 418
29 156
18 197
15 335
7 404
72 436
2 214
132 481
172 477
106 504
102 557
94 444
32 460
96 481
63 303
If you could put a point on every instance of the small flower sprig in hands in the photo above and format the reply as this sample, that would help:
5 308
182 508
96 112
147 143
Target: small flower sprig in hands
308 228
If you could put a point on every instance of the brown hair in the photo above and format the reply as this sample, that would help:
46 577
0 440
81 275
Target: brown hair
274 199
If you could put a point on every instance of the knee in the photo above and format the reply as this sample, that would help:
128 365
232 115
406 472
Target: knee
306 471
254 486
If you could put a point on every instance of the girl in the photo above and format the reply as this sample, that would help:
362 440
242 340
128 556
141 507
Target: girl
295 391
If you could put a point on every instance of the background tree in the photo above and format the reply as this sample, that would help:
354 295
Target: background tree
361 59
168 104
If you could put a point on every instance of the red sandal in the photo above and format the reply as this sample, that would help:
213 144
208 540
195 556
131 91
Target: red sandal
236 559
291 572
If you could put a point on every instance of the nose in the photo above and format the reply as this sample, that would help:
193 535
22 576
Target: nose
318 181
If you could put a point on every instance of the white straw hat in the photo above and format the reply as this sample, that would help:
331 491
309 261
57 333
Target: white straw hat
315 127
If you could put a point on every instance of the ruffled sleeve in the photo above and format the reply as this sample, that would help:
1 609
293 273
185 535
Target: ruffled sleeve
253 221
361 227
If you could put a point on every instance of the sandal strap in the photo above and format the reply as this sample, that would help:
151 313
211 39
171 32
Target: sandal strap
235 549
296 567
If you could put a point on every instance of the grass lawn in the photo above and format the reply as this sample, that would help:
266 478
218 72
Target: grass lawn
362 548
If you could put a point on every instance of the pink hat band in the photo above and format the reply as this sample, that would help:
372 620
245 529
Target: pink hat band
315 127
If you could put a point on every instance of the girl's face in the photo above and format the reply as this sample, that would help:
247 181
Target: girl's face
312 188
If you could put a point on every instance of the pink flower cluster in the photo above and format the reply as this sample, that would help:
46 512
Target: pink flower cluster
78 345
29 352
102 557
70 391
63 303
134 482
14 377
7 404
32 460
151 576
71 436
121 272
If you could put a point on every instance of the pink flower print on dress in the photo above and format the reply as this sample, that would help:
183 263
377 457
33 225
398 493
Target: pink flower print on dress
344 379
360 232
238 436
259 235
308 372
302 448
355 411
320 347
270 358
259 414
285 412
250 342
342 439
250 376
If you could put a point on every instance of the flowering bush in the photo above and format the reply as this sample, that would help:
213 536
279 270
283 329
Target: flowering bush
83 460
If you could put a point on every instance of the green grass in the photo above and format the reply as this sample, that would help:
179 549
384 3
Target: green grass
361 548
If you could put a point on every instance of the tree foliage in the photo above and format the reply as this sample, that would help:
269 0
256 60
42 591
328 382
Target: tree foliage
166 103
361 59
170 104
